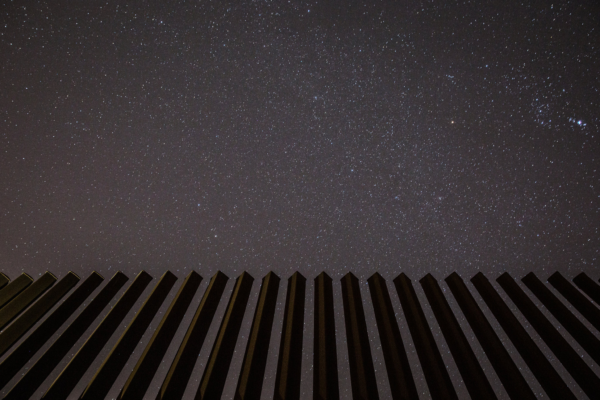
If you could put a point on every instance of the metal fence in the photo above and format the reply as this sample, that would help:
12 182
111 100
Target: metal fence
24 303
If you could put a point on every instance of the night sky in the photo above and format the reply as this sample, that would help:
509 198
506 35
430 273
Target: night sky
390 136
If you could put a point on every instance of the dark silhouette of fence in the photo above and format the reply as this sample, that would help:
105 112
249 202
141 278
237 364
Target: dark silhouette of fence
25 301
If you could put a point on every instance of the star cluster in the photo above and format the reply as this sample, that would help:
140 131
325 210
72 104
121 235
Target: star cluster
280 135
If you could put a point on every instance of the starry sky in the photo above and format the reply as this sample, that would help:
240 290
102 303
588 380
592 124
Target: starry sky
415 137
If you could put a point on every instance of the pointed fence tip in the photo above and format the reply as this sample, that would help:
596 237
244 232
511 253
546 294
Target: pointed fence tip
402 277
376 275
271 275
323 275
350 276
298 275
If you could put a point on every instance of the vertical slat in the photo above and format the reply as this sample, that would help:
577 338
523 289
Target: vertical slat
505 367
114 363
25 298
251 377
32 343
588 286
325 373
79 364
578 369
215 374
475 380
3 280
402 384
32 315
289 363
436 375
576 298
575 327
551 381
362 372
137 384
14 288
181 369
36 375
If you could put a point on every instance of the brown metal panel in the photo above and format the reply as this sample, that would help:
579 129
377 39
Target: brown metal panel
112 366
325 373
3 280
402 384
588 286
24 351
575 327
215 374
475 380
25 298
551 381
181 369
362 372
34 377
252 375
14 288
64 384
33 314
576 298
435 372
140 378
578 369
289 363
505 367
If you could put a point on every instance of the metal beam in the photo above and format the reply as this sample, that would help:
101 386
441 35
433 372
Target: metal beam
35 376
575 327
588 286
576 298
436 375
33 314
362 372
325 373
139 380
3 280
217 367
578 369
36 340
402 383
551 381
114 363
515 384
14 288
181 369
252 375
62 387
20 302
289 363
475 380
